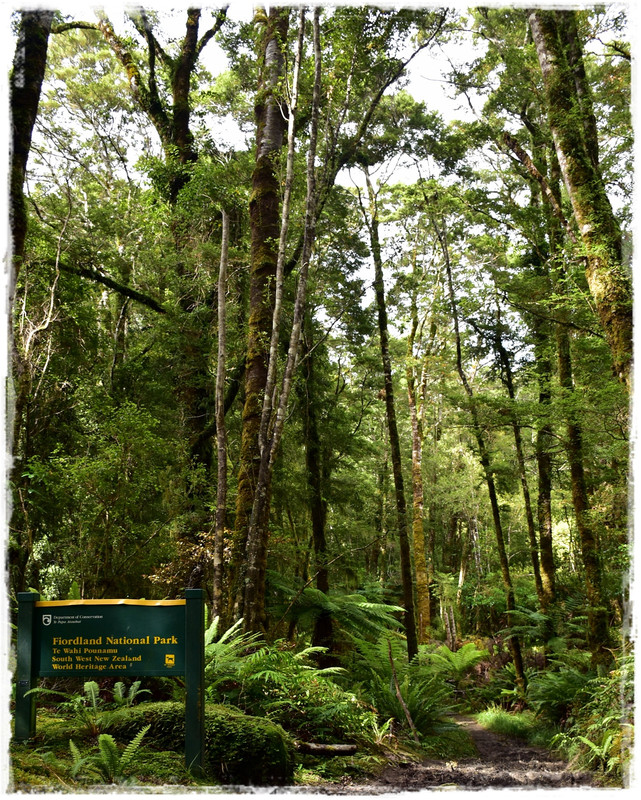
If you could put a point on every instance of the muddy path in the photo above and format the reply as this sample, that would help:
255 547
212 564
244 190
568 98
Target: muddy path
501 763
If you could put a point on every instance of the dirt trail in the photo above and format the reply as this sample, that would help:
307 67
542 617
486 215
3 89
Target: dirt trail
501 762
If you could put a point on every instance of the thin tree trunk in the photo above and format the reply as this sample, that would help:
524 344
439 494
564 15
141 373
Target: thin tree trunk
599 639
221 429
571 120
544 465
520 458
323 628
416 401
484 457
395 446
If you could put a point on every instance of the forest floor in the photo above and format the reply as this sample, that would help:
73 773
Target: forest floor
501 762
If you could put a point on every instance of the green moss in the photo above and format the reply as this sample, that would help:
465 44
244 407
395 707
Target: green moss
240 749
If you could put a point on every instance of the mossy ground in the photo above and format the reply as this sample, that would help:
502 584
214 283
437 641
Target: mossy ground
45 764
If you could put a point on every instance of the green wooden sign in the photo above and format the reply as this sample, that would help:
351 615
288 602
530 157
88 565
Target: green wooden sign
111 637
134 638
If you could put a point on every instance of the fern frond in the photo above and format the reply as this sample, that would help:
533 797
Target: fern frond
130 751
92 693
109 757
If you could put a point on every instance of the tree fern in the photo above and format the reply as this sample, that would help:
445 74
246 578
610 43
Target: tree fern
456 664
353 612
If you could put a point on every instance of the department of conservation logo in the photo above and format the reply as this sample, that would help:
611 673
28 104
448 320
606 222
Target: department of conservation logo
170 659
46 619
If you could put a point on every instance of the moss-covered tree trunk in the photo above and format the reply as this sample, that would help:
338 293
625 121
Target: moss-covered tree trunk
265 227
258 532
26 83
390 410
25 86
599 639
221 428
573 127
416 400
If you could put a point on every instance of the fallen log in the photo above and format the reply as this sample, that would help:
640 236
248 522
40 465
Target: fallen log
317 749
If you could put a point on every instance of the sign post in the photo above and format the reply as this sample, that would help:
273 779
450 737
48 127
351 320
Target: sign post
133 638
27 668
194 681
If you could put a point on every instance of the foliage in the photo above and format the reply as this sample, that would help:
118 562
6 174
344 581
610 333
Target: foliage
352 613
520 724
425 694
126 697
281 683
86 708
552 694
598 732
455 665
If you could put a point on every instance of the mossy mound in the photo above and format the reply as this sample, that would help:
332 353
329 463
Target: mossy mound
239 749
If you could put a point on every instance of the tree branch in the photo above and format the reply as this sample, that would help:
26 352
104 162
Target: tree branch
69 26
221 17
529 165
125 291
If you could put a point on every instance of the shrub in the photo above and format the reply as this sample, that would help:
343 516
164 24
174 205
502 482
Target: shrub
552 694
283 684
599 731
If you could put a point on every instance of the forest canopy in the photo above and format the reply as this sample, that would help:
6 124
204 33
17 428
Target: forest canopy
346 347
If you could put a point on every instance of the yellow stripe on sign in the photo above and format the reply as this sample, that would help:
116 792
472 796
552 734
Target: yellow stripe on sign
125 602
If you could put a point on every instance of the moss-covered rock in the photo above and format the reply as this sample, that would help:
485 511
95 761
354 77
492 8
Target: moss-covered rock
239 749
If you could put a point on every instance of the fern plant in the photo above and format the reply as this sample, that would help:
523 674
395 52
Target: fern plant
85 708
425 694
124 698
353 613
552 693
109 763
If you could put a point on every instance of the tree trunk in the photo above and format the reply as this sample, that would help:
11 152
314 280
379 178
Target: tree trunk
599 639
27 74
395 445
221 430
571 120
28 71
323 628
265 226
544 464
416 401
254 604
520 458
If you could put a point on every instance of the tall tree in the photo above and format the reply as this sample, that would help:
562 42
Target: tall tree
484 457
264 205
25 87
371 219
